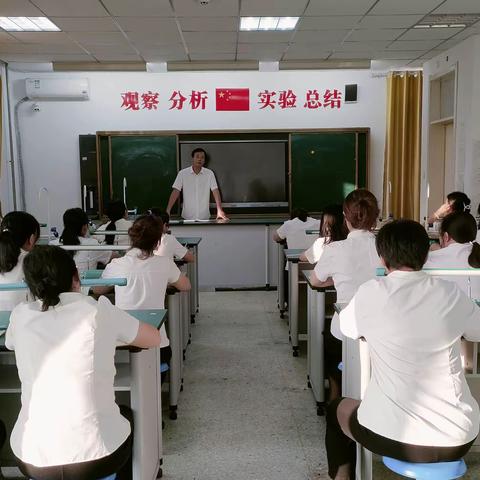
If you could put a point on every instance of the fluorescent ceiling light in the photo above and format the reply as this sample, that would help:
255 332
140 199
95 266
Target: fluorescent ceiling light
422 26
268 23
27 24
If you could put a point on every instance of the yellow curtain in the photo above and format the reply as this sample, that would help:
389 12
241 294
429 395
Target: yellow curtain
401 178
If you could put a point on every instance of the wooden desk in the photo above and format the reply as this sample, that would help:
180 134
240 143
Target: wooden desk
140 376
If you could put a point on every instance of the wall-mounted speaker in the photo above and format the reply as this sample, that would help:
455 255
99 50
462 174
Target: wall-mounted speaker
350 93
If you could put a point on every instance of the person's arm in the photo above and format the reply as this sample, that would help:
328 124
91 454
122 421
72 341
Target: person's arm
303 257
109 272
440 213
314 280
276 237
147 337
348 320
323 271
188 257
221 215
471 316
174 196
182 284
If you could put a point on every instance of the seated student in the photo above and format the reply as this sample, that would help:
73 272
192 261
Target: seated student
347 264
169 246
117 214
69 426
75 231
147 274
417 406
19 231
332 229
459 249
294 230
455 202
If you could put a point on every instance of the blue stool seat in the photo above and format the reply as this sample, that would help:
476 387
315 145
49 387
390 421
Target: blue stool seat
340 366
427 471
164 367
111 477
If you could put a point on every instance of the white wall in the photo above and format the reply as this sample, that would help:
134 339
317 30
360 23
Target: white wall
50 137
465 58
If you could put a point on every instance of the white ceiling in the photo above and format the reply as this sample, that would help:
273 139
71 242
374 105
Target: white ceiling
184 30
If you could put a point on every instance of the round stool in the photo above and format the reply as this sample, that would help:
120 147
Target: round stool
427 471
164 367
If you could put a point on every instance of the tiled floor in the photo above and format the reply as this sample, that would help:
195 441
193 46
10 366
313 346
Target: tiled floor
246 412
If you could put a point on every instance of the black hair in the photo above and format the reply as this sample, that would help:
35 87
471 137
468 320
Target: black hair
49 271
332 226
145 234
300 213
403 243
462 227
162 214
115 211
73 221
459 202
199 150
16 229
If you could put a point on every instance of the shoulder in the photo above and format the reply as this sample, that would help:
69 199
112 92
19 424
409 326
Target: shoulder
88 241
102 227
208 171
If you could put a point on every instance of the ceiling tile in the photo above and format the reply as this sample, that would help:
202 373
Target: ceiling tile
407 45
19 8
306 54
389 21
45 48
213 56
351 55
217 8
363 46
213 37
261 56
42 37
339 7
389 54
173 48
330 22
404 7
273 8
99 38
430 33
159 38
7 38
85 24
148 24
251 48
459 6
264 37
160 56
320 36
117 57
202 47
205 24
375 34
143 8
72 8
30 58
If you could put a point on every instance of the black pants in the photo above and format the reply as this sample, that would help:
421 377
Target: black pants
3 434
119 462
342 449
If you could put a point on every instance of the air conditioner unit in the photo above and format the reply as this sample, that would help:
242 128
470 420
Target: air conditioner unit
57 88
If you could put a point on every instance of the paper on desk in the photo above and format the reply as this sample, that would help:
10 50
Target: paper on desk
195 221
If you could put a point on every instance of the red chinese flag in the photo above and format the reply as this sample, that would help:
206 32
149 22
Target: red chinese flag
232 99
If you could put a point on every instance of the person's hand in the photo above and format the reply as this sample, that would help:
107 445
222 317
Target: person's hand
435 246
443 211
221 215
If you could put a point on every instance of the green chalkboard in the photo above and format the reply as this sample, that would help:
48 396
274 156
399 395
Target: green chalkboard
324 167
149 166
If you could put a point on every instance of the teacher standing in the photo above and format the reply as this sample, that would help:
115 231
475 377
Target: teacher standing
196 182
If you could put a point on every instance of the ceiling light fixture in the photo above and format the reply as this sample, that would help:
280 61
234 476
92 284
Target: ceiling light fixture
268 23
458 20
28 24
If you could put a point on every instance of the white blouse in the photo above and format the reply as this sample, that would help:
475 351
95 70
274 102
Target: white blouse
121 224
294 232
413 324
314 253
147 282
170 247
65 361
9 300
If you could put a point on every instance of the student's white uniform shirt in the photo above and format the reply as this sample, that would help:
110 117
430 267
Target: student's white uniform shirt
196 192
294 232
87 259
314 253
65 361
170 247
413 324
121 224
147 282
8 300
349 263
455 255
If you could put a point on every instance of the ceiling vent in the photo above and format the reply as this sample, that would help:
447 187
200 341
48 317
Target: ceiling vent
460 20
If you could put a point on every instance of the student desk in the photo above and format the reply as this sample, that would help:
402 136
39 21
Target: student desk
244 244
316 316
294 266
140 376
281 245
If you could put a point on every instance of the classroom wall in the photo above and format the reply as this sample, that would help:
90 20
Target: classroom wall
50 137
465 58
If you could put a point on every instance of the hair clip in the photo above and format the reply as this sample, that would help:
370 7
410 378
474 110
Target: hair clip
6 229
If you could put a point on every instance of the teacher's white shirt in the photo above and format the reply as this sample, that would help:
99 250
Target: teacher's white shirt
65 361
413 324
196 192
349 263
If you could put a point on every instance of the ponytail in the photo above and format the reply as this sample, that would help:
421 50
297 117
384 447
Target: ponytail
15 230
361 209
115 211
73 221
49 271
474 257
